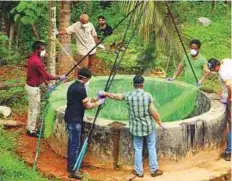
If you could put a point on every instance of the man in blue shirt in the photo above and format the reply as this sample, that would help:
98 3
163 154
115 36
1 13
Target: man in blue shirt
77 102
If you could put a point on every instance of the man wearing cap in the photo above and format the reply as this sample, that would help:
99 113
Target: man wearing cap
86 39
224 69
36 75
77 102
141 111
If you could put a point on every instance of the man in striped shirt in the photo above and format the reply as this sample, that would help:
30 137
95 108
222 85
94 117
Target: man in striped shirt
141 114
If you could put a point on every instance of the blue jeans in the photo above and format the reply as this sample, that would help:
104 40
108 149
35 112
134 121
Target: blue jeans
228 118
74 141
151 145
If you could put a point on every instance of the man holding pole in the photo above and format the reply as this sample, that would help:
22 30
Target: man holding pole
36 74
198 63
77 102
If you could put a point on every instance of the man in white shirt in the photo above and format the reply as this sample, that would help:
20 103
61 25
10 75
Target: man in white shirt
224 69
86 39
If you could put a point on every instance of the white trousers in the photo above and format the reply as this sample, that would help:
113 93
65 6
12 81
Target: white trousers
33 94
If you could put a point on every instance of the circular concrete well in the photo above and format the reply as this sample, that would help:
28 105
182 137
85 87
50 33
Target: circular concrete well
194 122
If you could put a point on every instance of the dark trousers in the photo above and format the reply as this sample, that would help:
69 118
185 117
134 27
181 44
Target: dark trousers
74 142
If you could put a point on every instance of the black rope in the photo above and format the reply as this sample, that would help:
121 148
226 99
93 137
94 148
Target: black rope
112 73
137 5
181 41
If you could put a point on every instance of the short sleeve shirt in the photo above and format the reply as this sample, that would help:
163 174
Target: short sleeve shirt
141 122
84 37
104 32
198 67
225 71
75 109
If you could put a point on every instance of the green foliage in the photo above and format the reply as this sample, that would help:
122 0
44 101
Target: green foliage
29 12
215 38
9 55
26 14
11 167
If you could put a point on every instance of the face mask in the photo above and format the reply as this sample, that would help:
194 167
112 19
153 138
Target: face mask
42 53
87 85
193 52
85 25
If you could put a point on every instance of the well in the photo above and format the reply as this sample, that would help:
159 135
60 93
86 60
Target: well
194 122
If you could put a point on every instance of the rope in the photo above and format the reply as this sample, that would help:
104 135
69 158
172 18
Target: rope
137 5
181 41
82 59
59 82
113 72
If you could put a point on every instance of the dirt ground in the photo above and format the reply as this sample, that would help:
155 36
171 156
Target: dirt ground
52 165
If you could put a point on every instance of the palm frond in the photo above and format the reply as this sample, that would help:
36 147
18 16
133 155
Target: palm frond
153 17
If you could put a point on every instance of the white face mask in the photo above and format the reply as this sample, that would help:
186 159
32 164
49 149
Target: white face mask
43 53
193 52
87 85
85 25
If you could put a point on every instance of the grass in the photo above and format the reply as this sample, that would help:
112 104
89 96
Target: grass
12 168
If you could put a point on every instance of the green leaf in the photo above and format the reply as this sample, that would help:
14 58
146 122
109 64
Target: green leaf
22 6
27 20
16 17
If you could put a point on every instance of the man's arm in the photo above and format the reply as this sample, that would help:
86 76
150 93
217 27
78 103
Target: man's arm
155 114
94 34
206 72
229 86
119 97
41 69
90 104
179 70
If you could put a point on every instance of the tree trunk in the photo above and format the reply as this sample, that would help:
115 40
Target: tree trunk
35 31
64 62
17 37
11 33
52 42
214 5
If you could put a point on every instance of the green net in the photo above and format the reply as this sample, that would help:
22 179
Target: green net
174 101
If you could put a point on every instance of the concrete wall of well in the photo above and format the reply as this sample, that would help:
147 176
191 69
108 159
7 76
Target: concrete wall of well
111 143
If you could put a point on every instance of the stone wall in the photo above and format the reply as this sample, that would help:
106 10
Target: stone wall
111 143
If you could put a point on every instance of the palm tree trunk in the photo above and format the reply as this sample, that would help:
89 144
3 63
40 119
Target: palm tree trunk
11 33
64 62
52 43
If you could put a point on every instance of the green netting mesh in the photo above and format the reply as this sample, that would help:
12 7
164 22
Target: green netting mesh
174 101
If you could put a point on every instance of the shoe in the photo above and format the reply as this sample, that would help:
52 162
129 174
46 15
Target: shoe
137 175
32 134
157 173
227 156
76 174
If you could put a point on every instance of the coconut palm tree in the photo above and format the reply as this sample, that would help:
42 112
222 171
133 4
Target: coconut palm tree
156 28
64 62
